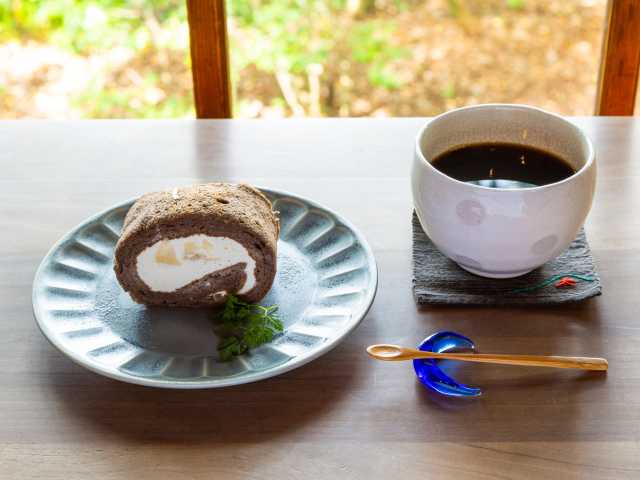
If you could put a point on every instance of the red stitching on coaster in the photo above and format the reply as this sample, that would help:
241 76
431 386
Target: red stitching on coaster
565 282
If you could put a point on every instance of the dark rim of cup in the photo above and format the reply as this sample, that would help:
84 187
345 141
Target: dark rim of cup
515 106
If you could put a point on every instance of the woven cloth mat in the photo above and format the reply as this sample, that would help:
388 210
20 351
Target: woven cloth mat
438 280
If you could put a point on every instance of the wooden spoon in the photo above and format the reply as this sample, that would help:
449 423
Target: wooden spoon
396 353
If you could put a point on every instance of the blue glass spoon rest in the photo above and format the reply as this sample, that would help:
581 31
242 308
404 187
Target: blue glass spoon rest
430 374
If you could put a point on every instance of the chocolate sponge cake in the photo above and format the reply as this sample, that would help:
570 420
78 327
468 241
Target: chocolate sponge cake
193 246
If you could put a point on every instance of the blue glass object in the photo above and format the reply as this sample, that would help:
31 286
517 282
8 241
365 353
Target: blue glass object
430 374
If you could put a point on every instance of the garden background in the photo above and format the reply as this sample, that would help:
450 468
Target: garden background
129 58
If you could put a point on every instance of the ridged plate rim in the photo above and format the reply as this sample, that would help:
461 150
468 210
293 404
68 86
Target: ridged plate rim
297 361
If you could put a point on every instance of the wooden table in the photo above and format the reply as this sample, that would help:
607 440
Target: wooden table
343 416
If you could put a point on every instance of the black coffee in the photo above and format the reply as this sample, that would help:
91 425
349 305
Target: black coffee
503 165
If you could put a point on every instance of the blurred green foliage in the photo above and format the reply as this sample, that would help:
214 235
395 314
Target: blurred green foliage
305 41
305 46
515 4
85 26
149 33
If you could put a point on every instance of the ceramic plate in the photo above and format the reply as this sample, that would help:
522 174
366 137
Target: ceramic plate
325 284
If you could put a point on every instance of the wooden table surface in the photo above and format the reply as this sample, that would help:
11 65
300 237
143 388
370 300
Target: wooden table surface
342 416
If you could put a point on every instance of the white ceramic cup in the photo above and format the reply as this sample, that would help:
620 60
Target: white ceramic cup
496 232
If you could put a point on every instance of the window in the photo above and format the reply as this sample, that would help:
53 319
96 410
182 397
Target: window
118 58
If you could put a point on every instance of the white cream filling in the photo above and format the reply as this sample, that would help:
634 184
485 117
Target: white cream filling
168 265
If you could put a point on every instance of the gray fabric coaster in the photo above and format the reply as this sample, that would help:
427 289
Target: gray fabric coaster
438 280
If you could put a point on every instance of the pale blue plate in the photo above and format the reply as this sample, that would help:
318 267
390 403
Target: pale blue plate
325 284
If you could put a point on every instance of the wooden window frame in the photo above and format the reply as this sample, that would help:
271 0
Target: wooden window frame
209 58
618 80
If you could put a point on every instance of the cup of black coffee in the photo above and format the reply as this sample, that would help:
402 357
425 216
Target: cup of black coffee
502 189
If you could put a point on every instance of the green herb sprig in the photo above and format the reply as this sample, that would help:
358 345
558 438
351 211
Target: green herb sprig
246 326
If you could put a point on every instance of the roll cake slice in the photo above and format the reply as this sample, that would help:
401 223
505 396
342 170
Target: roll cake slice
194 246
